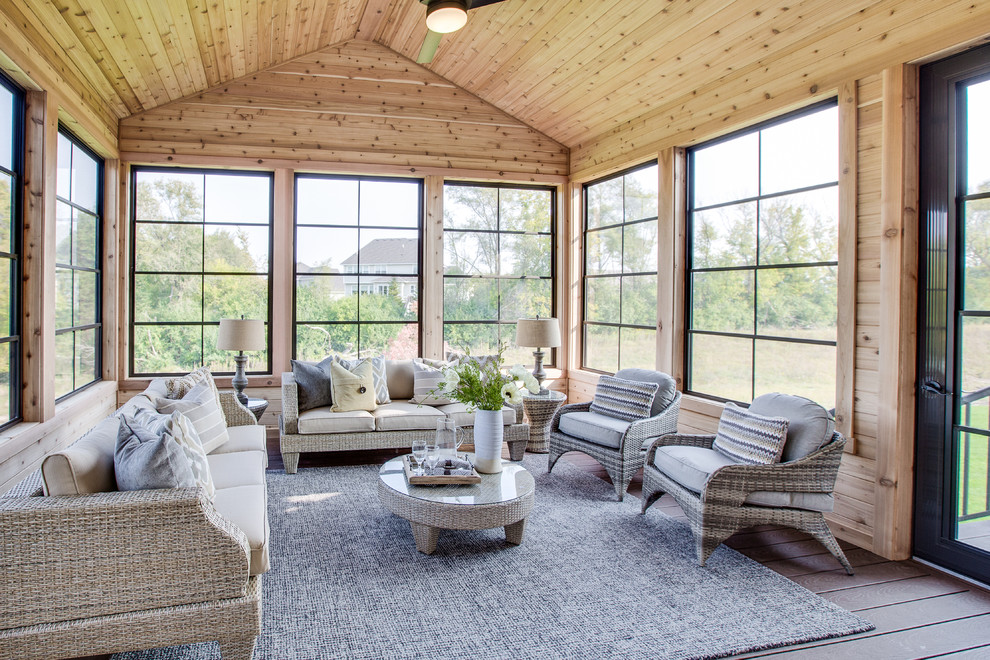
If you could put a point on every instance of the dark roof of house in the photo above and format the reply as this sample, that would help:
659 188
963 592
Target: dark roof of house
387 251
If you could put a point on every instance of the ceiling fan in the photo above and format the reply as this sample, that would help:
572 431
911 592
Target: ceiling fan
443 16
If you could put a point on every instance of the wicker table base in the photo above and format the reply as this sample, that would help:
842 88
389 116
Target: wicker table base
539 413
500 500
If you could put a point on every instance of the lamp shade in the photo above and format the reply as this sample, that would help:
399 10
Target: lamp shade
241 335
445 16
538 333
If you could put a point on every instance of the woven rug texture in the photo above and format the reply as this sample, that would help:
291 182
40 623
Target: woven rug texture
592 579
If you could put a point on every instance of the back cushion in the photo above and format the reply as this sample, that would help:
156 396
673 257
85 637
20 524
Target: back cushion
809 424
400 378
628 400
666 386
86 466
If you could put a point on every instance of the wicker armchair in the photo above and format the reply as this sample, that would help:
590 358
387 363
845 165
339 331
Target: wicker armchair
620 462
737 496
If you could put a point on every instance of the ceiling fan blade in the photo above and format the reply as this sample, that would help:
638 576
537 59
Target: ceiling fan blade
474 4
429 49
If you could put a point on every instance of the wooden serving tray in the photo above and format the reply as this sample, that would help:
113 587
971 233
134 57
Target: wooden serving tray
426 480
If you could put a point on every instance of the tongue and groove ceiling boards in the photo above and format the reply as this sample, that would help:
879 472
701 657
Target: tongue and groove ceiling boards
578 71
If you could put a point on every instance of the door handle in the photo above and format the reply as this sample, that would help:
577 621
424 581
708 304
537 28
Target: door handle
935 387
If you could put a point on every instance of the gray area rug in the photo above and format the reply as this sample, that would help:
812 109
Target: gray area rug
593 578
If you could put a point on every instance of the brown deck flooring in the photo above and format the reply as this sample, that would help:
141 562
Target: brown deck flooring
918 612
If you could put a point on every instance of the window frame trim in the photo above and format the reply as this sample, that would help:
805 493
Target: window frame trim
690 209
18 117
100 256
584 265
357 274
553 361
132 259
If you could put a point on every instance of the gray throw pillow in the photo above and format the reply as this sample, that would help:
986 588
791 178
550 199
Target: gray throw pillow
313 383
143 460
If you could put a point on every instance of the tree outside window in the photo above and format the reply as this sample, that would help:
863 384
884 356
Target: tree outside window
763 258
498 265
11 133
78 266
201 252
357 266
620 271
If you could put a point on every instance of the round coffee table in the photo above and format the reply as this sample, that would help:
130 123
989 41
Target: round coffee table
500 500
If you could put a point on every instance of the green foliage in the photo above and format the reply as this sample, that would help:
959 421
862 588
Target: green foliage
505 266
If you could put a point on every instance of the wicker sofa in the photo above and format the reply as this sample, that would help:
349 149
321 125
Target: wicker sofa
90 570
391 426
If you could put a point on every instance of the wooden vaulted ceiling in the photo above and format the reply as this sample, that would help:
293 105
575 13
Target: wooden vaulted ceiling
571 69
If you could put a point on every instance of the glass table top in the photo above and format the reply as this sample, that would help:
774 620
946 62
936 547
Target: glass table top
513 482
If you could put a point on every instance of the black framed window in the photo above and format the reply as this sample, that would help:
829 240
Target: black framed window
620 270
498 245
78 265
357 266
763 258
11 178
201 249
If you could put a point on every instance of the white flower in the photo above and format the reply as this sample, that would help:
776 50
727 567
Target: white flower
450 380
531 384
518 372
511 393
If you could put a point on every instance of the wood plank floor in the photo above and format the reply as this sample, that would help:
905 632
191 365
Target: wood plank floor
918 611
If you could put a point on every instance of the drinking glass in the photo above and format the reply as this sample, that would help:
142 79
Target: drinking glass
431 453
419 453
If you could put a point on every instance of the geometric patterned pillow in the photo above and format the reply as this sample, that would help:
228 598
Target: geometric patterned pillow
749 438
623 399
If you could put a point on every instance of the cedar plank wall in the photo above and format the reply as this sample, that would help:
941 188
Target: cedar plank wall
857 494
56 93
354 103
356 107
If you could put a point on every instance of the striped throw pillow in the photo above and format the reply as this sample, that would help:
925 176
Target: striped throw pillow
426 379
746 437
623 399
200 406
178 386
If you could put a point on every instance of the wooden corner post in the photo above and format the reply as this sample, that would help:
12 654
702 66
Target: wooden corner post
898 312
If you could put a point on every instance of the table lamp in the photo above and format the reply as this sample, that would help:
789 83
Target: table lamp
241 335
538 333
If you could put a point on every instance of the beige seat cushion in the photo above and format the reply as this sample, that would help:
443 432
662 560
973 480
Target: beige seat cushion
247 507
249 437
600 429
243 468
691 467
321 420
459 413
405 416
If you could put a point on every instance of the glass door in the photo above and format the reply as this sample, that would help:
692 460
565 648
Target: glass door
952 500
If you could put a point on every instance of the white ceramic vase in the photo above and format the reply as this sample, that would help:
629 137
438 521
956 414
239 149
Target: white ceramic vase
488 441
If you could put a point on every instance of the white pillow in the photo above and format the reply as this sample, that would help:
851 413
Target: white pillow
202 408
425 380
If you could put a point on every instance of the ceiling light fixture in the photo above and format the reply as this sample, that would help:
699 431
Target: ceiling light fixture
445 16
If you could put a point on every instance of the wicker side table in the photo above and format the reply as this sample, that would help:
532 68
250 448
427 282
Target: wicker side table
540 409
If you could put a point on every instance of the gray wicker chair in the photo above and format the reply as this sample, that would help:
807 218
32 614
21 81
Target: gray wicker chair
622 462
726 505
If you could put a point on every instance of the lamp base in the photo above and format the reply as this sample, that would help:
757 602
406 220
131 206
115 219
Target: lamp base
240 381
538 373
